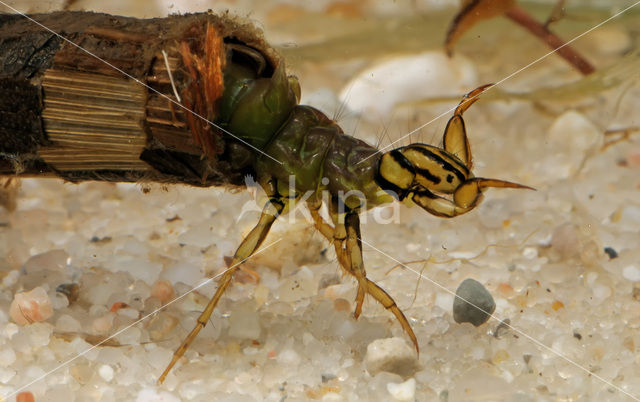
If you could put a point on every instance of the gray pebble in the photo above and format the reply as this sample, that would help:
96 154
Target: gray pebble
475 293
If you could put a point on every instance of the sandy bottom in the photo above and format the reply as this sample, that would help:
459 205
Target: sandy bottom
567 316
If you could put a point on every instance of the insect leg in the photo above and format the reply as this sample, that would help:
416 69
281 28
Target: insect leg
249 245
354 251
321 225
354 254
338 237
344 250
388 303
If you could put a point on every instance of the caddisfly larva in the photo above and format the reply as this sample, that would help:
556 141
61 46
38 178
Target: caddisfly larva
203 100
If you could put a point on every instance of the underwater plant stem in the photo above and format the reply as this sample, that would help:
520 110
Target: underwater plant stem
523 18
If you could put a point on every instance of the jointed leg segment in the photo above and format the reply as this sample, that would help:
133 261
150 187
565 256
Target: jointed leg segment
346 240
249 245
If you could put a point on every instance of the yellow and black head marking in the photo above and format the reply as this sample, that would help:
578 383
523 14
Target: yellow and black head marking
422 170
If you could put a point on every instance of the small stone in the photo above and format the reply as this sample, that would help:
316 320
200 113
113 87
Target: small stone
444 300
557 305
7 357
70 290
129 313
481 307
392 355
565 241
611 252
103 324
502 328
161 325
404 391
600 292
632 273
6 375
244 323
289 357
332 397
378 89
571 138
341 304
153 395
184 272
106 372
58 301
54 260
11 278
38 334
500 356
610 41
67 323
25 397
30 307
139 268
163 291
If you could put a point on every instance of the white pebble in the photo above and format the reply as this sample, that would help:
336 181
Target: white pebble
610 41
289 357
152 395
138 268
7 357
32 306
244 323
404 391
198 235
601 292
632 273
129 336
104 323
135 247
332 397
39 333
377 90
324 99
58 301
574 132
106 372
4 317
11 278
393 355
10 330
6 375
565 241
66 323
298 286
129 312
444 301
630 217
530 253
477 353
183 272
572 137
54 260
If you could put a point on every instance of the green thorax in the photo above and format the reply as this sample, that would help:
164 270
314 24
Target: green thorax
254 106
312 152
